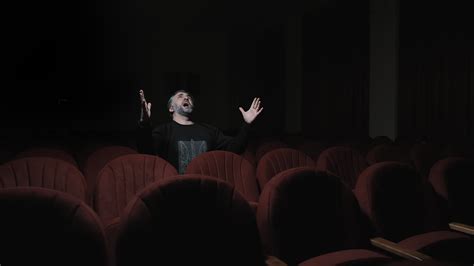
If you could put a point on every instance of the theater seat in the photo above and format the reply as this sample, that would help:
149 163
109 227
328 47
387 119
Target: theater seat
98 159
230 167
48 152
402 209
189 220
453 180
385 153
122 178
309 217
345 162
279 160
43 172
46 227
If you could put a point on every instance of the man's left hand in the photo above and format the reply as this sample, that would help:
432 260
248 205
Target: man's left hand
252 113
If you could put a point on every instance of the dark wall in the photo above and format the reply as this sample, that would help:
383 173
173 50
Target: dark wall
436 92
336 70
68 65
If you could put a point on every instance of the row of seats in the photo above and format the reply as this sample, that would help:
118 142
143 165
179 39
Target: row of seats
304 217
345 161
127 174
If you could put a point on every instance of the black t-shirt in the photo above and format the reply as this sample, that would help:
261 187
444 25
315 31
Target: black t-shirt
179 144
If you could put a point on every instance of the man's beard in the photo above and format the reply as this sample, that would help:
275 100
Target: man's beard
182 110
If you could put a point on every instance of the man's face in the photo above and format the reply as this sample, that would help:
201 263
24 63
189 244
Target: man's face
182 103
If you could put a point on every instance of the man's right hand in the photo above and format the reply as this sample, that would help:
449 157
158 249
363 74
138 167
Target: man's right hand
146 107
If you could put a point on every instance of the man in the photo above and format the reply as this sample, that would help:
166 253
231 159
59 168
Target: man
182 139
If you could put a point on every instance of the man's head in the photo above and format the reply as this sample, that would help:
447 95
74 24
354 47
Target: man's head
181 102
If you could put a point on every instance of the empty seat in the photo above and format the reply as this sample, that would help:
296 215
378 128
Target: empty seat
313 148
48 152
189 220
229 167
311 217
267 146
46 227
345 162
43 172
279 160
386 152
98 159
453 180
122 178
401 208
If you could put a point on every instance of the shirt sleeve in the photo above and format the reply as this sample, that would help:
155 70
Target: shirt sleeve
234 144
144 138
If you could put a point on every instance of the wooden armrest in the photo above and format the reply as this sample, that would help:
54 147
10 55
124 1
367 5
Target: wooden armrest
274 261
463 228
396 249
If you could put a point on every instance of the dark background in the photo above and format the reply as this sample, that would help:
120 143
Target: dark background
76 67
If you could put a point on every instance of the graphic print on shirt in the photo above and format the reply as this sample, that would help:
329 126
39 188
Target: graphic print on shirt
187 150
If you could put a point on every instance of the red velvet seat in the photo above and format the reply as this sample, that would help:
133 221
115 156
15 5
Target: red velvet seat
189 220
311 217
47 227
122 178
267 146
229 167
48 152
401 208
345 162
279 160
43 172
98 159
453 180
313 148
386 152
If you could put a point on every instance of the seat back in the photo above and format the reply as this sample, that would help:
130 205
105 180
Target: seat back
98 159
345 162
47 152
304 213
453 180
267 146
189 220
47 227
122 178
227 166
385 153
43 172
396 200
279 160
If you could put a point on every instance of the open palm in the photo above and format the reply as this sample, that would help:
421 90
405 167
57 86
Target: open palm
252 113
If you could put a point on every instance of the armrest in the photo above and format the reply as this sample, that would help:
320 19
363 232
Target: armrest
463 228
274 261
396 249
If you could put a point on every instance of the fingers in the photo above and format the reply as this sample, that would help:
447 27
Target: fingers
253 103
241 110
257 105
